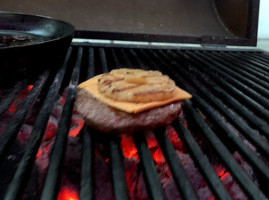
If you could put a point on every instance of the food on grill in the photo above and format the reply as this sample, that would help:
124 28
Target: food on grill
136 85
108 119
153 106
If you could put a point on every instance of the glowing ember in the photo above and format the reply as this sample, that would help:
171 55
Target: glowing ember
128 146
44 148
67 194
173 137
155 149
76 125
13 107
21 96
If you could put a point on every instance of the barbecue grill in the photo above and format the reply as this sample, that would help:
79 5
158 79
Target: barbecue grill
216 149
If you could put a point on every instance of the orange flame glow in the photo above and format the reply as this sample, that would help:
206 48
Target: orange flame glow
222 173
128 146
155 149
22 95
43 149
67 194
30 87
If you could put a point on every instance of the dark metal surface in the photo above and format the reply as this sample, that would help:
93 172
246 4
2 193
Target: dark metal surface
14 125
179 173
25 166
150 173
53 176
43 31
45 47
228 111
186 21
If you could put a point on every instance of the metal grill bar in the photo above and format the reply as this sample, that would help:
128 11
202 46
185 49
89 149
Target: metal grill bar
238 76
257 62
14 125
91 69
119 183
220 87
259 109
175 165
251 71
225 155
86 187
52 182
10 97
203 162
237 68
238 142
228 114
125 59
151 176
240 108
115 58
260 57
252 93
249 64
136 58
103 60
86 190
248 131
25 166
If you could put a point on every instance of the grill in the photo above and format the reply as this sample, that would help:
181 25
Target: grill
228 114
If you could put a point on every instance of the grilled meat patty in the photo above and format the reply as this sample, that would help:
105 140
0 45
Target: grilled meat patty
107 119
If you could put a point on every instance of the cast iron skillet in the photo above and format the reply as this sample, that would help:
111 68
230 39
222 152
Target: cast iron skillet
30 44
21 30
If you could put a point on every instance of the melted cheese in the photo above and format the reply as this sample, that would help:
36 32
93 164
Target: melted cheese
91 86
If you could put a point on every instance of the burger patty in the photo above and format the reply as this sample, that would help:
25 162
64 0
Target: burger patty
107 119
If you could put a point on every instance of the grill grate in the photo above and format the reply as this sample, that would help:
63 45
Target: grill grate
229 110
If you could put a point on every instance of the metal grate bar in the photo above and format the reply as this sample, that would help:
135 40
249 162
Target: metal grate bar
238 142
119 183
258 122
263 65
115 58
14 125
256 94
238 76
10 97
244 149
177 169
136 58
103 60
52 181
264 55
240 108
208 63
225 155
125 59
86 186
259 56
248 63
179 174
250 69
24 168
205 166
151 176
152 63
91 69
237 67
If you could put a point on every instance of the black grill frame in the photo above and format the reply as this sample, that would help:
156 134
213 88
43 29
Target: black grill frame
230 82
